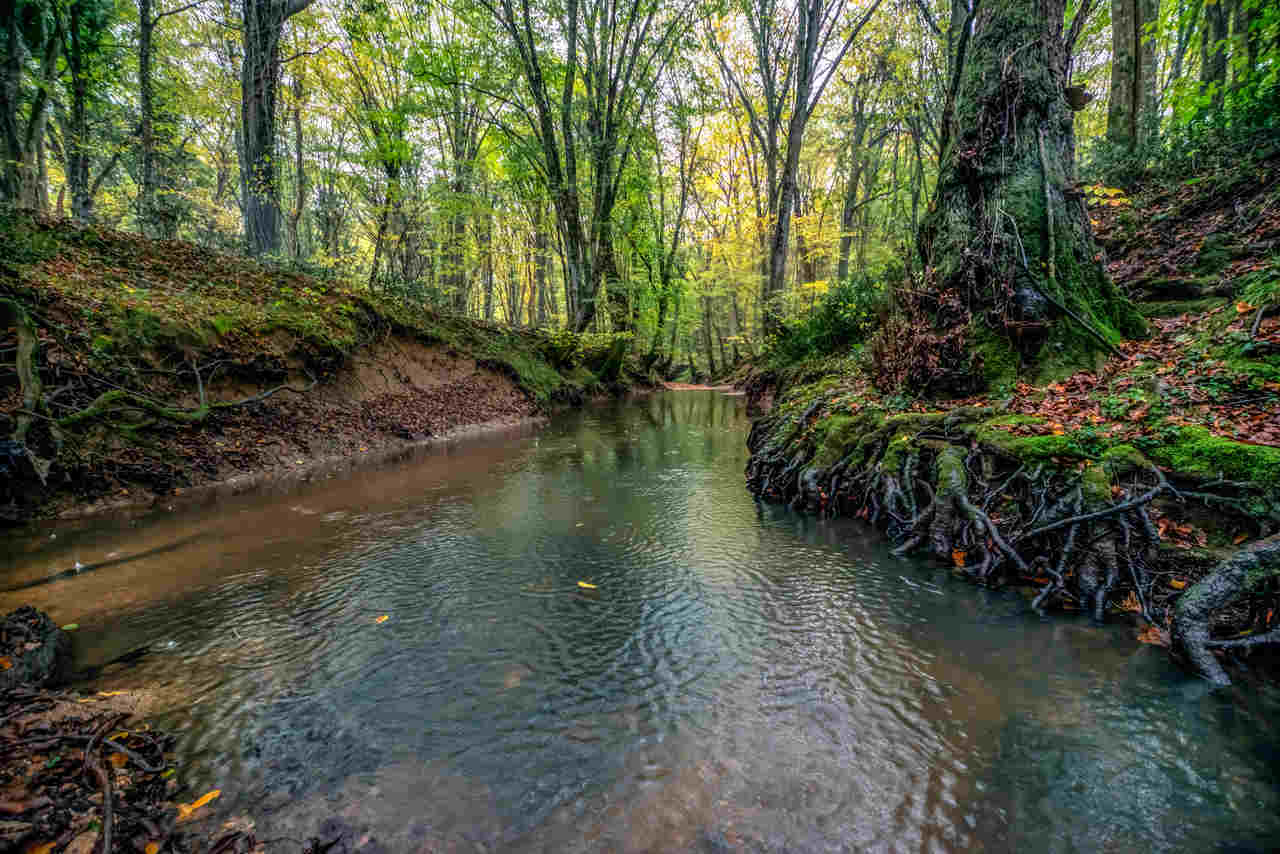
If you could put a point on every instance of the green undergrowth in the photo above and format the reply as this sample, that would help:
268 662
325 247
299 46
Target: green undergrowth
121 295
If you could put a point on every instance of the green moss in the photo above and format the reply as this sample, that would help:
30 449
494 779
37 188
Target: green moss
1095 483
1123 459
1173 308
999 359
1029 448
1195 451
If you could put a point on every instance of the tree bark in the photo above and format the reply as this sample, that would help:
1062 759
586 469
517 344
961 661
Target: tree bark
1013 276
263 22
299 174
146 119
1131 111
1213 54
21 136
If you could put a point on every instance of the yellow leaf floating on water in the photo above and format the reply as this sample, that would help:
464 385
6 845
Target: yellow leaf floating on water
586 585
185 810
383 618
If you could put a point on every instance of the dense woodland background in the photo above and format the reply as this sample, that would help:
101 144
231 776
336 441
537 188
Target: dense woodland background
700 174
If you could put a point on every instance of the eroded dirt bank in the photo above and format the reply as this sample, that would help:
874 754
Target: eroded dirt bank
139 371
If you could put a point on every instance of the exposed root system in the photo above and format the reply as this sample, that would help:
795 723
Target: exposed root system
1084 532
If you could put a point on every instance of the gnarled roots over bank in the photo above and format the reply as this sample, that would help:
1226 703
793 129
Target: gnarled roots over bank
1002 508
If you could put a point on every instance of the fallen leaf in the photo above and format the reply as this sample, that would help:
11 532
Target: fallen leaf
1240 538
39 848
82 844
957 557
118 759
1243 307
5 662
1131 603
1154 635
70 627
586 585
185 810
152 848
110 693
1177 583
383 618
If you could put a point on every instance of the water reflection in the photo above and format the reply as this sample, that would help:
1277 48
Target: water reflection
740 678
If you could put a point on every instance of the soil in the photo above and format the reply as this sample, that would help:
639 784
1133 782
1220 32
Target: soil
399 394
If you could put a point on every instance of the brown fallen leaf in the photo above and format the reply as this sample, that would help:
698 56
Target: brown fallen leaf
1177 583
957 557
1154 635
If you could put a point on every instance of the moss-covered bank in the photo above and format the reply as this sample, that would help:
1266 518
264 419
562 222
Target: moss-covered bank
1102 525
138 368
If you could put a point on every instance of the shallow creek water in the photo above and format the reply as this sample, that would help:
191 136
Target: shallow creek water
740 678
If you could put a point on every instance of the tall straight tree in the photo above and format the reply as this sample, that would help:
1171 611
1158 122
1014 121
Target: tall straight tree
614 52
148 20
1131 113
1013 277
263 22
796 51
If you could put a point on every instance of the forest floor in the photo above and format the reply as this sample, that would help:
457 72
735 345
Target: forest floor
1197 401
165 371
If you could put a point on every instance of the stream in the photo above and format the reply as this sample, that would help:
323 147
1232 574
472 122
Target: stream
596 640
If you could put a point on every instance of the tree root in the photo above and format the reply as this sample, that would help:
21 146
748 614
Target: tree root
998 519
1193 613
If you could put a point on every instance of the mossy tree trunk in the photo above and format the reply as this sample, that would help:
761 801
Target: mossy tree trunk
1014 279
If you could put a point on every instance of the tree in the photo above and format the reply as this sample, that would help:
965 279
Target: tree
794 63
263 22
85 49
615 50
33 35
1131 114
148 20
1013 278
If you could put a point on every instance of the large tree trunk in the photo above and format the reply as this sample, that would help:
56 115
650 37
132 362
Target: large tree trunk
259 77
1013 277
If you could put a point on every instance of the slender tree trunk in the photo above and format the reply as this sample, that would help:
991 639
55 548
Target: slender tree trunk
146 120
707 335
300 174
1213 53
540 267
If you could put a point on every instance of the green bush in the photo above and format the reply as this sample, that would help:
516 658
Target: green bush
842 319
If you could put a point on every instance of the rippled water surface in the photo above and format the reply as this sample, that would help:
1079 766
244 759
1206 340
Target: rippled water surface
739 678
